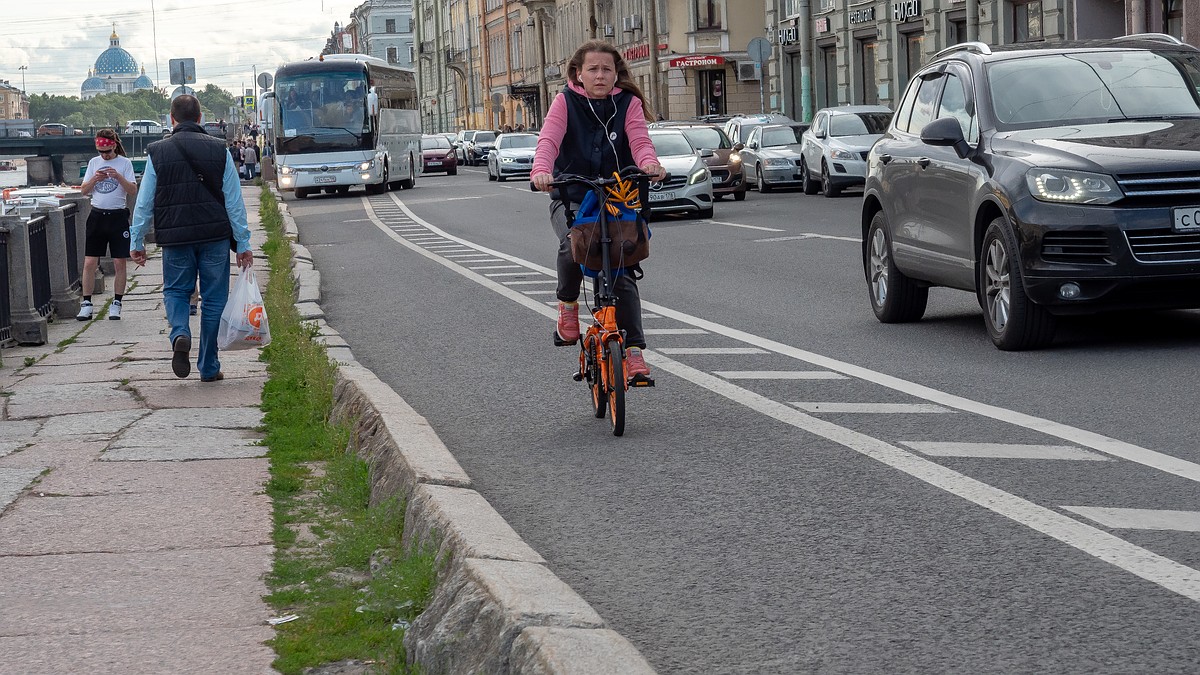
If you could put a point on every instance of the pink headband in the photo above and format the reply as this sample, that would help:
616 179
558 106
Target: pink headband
102 142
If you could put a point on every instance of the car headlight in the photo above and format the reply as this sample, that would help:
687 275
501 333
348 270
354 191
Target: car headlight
365 166
778 161
841 154
286 170
735 158
449 155
698 176
1072 187
507 160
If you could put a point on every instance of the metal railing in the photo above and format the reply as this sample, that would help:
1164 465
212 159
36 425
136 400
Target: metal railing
39 264
5 309
70 213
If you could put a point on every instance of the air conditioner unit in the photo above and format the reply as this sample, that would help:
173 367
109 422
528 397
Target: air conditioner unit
609 30
626 24
747 71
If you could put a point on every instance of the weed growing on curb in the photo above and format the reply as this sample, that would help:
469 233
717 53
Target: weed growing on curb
339 564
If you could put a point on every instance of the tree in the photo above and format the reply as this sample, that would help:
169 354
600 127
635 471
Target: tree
215 101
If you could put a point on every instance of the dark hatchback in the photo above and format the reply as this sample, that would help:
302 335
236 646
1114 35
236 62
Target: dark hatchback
1048 180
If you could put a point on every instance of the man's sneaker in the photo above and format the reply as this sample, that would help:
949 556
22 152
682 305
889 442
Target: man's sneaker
114 310
85 310
181 362
567 332
635 365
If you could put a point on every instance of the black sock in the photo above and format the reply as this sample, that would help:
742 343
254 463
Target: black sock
87 298
118 296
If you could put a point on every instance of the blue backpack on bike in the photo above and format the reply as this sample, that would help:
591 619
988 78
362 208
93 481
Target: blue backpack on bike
626 227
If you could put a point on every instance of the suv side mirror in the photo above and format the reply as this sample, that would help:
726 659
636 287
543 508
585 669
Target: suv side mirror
706 152
739 146
752 145
946 132
820 134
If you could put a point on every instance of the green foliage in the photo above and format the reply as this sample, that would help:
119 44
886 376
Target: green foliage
115 110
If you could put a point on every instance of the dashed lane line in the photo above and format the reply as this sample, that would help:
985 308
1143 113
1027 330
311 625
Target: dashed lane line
779 375
1004 451
808 235
831 407
1140 519
748 227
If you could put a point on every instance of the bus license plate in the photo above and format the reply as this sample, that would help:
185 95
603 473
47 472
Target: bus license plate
325 179
1187 218
662 196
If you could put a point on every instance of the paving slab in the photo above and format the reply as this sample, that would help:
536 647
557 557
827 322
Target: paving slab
229 651
183 453
160 369
8 447
148 522
76 374
182 588
16 431
186 439
220 418
192 393
62 399
13 482
55 453
105 423
81 354
244 476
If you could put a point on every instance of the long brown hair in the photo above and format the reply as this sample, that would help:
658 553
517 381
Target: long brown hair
112 136
624 79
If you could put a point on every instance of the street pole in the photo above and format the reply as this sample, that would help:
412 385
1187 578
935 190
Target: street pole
543 90
652 29
23 69
806 93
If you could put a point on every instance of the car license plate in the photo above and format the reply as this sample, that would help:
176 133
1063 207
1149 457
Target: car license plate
662 196
325 179
433 163
1187 218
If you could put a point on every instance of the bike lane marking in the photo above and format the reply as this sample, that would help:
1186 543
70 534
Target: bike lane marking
1143 563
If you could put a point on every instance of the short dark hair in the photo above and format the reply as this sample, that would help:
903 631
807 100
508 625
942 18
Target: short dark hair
185 108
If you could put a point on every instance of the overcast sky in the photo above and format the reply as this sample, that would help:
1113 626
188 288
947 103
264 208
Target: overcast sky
60 39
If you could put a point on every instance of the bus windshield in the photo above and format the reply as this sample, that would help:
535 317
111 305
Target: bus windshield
323 112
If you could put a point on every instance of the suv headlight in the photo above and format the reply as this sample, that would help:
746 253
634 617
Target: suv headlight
841 154
778 161
698 176
1072 187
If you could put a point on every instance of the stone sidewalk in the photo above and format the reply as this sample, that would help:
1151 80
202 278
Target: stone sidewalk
134 529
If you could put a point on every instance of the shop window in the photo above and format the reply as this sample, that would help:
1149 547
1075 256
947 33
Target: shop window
1173 18
866 65
828 93
708 14
1027 20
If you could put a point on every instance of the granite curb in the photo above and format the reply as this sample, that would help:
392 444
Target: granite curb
497 607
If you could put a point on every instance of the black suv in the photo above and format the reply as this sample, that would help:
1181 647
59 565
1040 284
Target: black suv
1049 180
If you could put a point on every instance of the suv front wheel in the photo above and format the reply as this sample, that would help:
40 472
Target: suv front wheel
1014 322
894 297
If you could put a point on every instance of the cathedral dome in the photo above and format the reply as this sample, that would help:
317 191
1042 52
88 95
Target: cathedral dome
93 84
143 82
115 60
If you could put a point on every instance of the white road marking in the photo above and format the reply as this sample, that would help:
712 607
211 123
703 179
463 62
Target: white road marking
883 408
541 293
748 227
529 283
779 375
674 331
483 257
809 235
1143 563
1140 519
493 267
711 350
510 274
1004 451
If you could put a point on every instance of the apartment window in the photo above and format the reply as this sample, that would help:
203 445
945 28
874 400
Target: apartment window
389 26
826 5
515 50
867 49
708 14
1027 20
393 55
1173 17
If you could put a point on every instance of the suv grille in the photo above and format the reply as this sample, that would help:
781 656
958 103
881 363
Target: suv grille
1164 245
1077 248
1161 189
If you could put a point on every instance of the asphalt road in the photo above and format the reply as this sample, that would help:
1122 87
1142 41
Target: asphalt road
834 494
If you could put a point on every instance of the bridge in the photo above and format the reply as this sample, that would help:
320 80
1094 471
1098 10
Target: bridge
58 159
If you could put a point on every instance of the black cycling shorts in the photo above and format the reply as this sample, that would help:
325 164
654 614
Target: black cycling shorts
107 233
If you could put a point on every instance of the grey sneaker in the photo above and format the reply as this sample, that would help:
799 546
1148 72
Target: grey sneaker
114 310
85 311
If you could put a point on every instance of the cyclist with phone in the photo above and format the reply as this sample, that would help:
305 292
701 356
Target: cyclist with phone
109 181
597 125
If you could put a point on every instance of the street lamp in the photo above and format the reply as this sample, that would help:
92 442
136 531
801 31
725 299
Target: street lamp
23 69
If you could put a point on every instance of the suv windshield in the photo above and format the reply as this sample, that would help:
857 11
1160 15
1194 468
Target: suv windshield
707 137
775 136
484 137
859 124
1093 87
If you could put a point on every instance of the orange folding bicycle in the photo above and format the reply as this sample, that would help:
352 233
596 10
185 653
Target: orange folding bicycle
602 347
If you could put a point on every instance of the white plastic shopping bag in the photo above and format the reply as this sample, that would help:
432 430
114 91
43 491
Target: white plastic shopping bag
244 321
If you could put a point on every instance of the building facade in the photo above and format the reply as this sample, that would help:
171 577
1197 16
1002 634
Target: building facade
14 104
384 29
115 72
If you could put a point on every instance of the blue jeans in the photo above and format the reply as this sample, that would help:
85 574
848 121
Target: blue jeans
181 266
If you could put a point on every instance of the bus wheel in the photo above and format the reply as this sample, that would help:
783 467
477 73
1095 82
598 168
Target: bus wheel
410 182
301 193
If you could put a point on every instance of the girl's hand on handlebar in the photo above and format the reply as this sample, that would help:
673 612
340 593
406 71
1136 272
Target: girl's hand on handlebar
541 181
655 170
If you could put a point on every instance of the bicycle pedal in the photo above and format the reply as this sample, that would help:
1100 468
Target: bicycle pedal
559 342
577 376
641 381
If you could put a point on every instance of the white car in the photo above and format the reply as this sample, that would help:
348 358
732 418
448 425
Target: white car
511 156
688 186
834 149
143 127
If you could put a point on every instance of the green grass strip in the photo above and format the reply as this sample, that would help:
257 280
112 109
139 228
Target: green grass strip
327 535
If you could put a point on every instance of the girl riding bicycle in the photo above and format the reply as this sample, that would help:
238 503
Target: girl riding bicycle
596 126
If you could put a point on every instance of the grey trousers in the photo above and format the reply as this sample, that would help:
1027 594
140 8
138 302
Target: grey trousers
570 276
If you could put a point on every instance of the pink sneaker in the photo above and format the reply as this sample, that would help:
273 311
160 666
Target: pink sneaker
634 364
568 322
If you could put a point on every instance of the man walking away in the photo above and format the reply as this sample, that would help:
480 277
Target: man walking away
250 157
191 189
108 179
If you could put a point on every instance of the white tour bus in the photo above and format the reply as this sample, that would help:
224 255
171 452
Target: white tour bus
343 120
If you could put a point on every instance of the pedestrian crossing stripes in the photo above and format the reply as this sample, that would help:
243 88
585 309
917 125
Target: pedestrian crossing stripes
495 267
528 283
1003 451
510 274
711 350
885 408
675 331
780 375
1140 519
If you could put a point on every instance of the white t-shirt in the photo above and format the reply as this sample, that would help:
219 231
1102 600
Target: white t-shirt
108 193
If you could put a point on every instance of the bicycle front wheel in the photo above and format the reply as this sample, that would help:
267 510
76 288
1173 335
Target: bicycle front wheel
616 386
594 377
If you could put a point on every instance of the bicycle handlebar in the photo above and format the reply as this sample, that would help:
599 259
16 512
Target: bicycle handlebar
565 179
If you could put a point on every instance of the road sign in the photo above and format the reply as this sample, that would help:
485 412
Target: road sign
759 49
183 71
264 80
248 102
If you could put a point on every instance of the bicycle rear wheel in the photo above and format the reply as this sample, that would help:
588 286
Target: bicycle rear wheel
616 391
599 395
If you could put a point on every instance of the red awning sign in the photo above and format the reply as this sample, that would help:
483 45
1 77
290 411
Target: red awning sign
697 61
